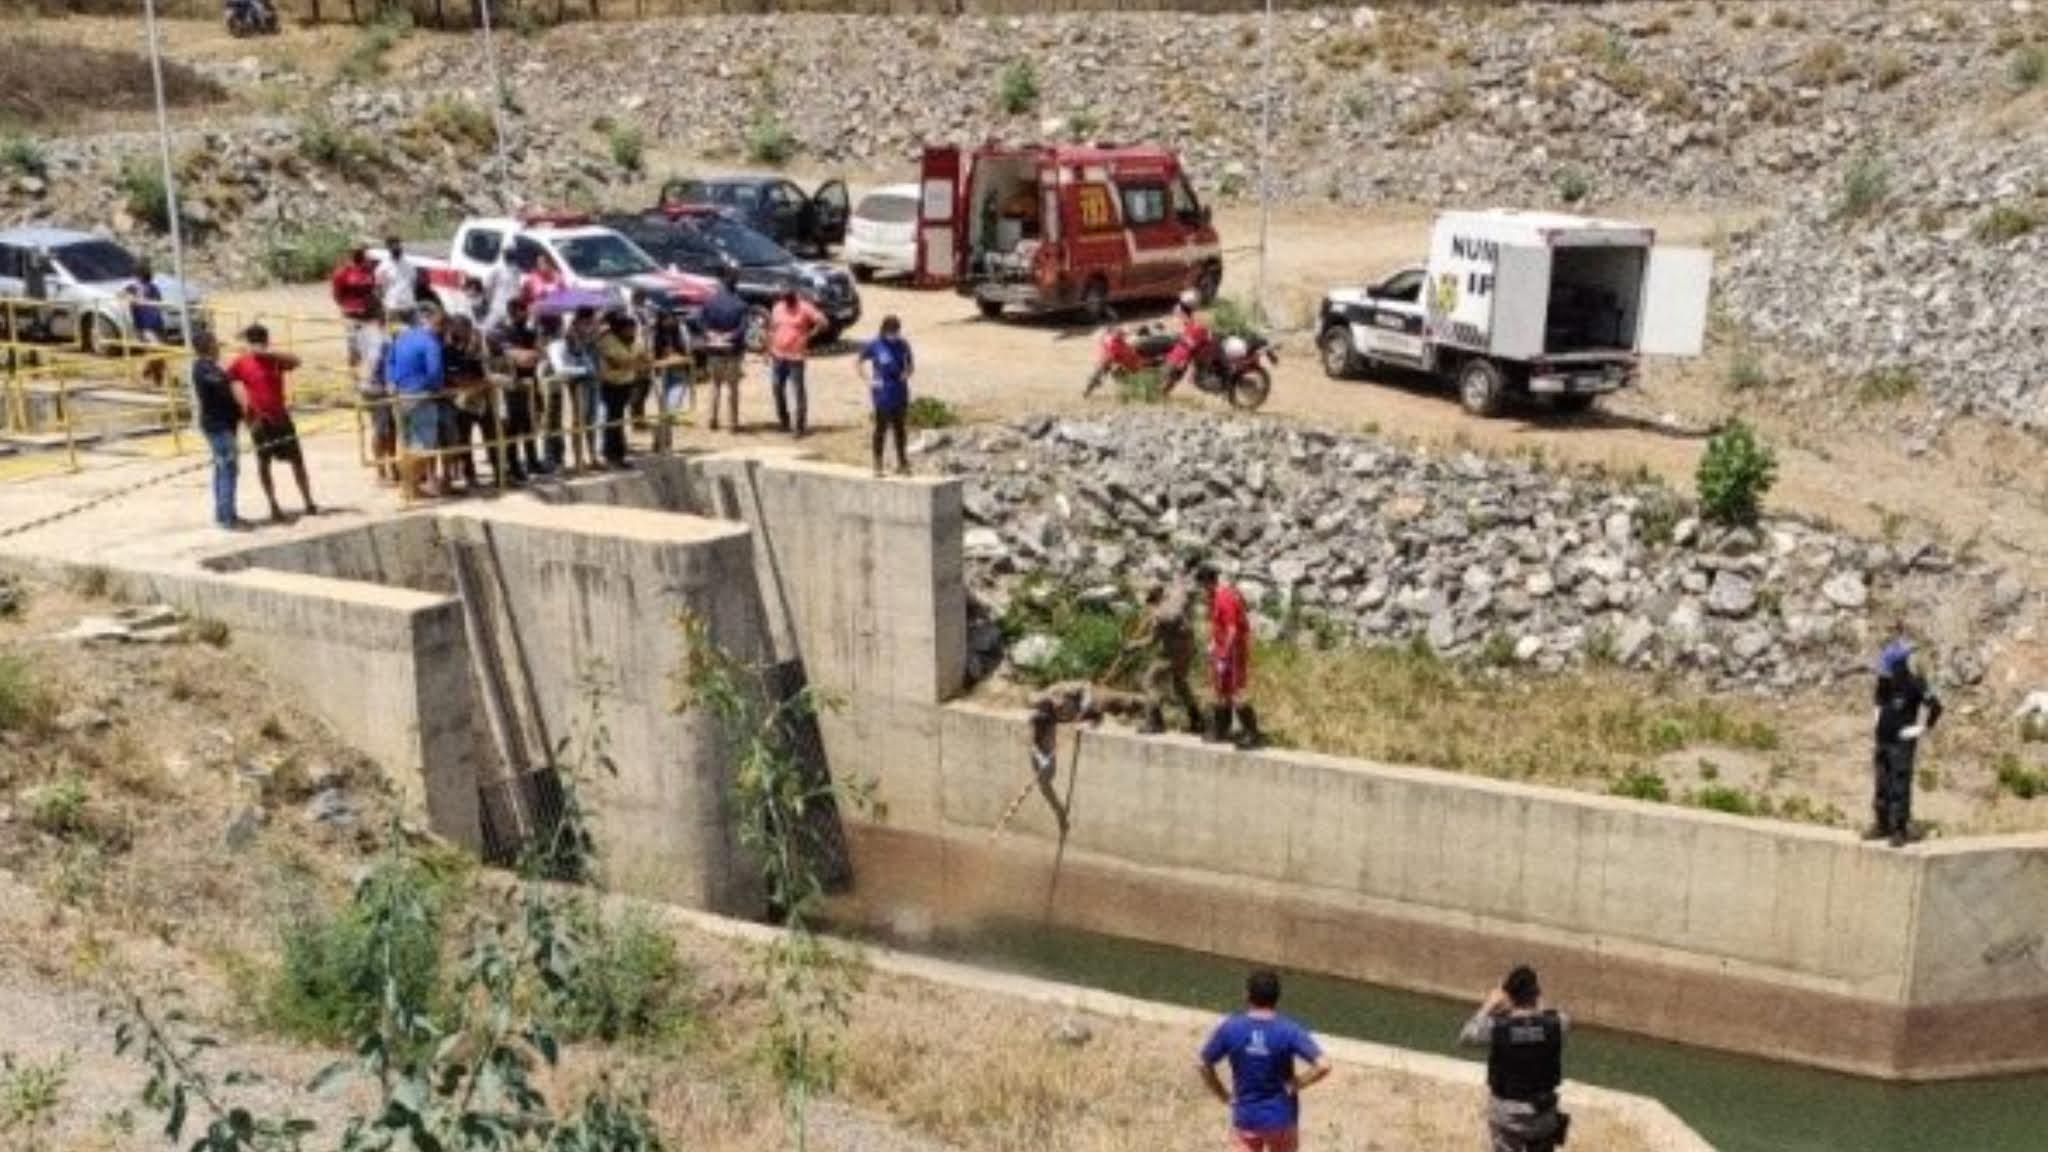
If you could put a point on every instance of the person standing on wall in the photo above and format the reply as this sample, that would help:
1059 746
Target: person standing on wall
1264 1049
219 402
1524 1040
516 345
620 363
724 321
886 363
1901 697
261 374
792 324
1230 660
1169 640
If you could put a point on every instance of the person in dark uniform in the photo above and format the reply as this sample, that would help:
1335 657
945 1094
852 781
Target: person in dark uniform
1907 709
1168 637
1524 1040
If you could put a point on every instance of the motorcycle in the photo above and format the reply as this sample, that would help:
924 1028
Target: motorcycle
251 18
1234 368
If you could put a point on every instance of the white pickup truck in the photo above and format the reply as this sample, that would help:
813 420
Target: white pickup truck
589 256
1524 303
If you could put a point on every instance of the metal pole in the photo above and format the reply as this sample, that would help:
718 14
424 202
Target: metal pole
163 137
1265 163
483 8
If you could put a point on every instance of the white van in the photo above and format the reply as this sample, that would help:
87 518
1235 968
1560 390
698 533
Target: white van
1529 303
881 235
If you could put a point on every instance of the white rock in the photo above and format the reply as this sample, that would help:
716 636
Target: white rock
1846 590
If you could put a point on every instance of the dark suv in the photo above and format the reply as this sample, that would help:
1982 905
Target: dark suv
813 222
708 242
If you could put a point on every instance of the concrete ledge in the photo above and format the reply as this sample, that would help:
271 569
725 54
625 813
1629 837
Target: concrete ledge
1660 1127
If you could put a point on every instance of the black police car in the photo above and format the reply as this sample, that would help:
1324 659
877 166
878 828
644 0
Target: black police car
706 242
813 222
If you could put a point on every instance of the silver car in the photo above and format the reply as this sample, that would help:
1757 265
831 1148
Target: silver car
85 277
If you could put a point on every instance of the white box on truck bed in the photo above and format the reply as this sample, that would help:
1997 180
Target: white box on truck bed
1529 302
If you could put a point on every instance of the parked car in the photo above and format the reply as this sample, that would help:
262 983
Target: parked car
1059 227
707 242
813 222
87 278
1532 303
881 236
589 255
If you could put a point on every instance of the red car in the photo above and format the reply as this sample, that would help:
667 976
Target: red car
1053 228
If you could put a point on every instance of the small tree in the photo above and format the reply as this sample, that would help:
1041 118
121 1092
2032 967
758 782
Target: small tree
784 807
1017 89
1734 474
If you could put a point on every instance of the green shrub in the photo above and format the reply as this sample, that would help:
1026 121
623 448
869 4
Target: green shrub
1641 784
31 1098
1017 88
1090 636
768 141
1735 473
1722 798
2027 67
2018 779
1887 385
328 987
24 705
1082 125
1746 371
329 145
628 149
631 985
1866 185
1890 71
142 188
930 412
2003 223
1229 316
1573 186
24 155
59 807
305 255
365 61
1143 386
459 122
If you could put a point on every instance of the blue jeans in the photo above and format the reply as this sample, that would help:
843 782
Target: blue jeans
227 466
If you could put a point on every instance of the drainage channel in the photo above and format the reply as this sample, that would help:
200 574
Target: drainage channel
1739 1104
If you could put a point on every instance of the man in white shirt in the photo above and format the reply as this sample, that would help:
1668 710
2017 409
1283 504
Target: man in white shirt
501 285
397 279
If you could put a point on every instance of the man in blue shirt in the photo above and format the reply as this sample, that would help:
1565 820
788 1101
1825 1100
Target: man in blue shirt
416 373
886 364
1262 1047
146 316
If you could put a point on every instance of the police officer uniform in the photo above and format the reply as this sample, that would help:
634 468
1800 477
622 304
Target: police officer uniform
1170 637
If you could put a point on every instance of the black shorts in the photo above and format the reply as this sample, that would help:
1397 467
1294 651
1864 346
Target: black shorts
275 440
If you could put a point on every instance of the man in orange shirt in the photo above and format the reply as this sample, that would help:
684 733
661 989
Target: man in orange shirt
791 324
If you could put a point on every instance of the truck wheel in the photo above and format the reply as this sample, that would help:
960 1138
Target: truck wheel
990 309
1481 388
1208 283
1095 299
1250 389
862 274
1340 359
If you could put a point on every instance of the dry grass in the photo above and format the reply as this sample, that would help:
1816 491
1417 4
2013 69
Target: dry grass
67 80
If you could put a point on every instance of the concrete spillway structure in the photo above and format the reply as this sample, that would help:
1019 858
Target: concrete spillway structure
1777 939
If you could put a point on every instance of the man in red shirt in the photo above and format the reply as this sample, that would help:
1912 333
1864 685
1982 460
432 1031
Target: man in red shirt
354 286
1230 660
261 373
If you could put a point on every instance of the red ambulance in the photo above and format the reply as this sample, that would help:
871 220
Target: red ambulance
1063 227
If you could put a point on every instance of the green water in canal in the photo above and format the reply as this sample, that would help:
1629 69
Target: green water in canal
1739 1104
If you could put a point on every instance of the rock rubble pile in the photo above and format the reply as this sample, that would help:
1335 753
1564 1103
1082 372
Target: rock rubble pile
1480 558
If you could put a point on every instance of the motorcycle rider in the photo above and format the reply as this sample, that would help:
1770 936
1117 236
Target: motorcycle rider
249 15
1194 342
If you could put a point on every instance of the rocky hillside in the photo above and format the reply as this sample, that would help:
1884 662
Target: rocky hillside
1506 562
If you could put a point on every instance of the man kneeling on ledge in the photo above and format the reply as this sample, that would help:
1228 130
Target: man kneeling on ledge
1524 1064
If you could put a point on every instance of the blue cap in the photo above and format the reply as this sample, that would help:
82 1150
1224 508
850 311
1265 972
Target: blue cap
1895 656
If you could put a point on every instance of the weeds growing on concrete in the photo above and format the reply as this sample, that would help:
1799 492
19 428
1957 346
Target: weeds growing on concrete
930 412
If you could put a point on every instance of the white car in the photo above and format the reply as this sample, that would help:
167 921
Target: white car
881 236
86 277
